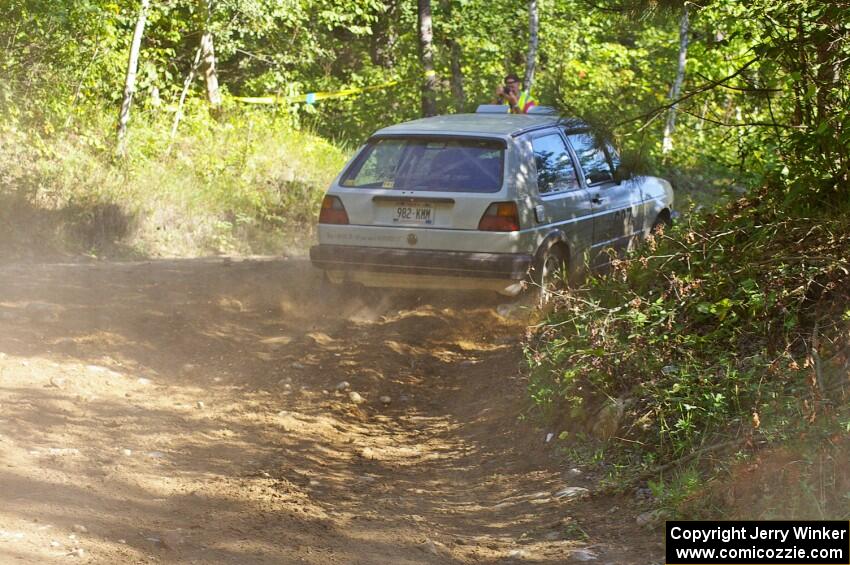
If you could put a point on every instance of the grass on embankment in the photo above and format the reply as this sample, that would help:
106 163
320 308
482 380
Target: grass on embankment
725 336
249 183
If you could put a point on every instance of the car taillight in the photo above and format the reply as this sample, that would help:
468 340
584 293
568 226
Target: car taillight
500 216
333 212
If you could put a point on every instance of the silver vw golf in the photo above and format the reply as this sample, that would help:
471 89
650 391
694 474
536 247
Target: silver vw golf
486 201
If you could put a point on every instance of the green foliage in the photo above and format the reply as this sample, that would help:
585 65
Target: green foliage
705 332
249 183
785 118
781 121
679 489
765 98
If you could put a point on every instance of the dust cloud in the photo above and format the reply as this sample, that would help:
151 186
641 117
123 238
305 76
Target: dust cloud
241 411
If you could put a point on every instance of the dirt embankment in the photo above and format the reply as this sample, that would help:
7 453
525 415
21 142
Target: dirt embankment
196 412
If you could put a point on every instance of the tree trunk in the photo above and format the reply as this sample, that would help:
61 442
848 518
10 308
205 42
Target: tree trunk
531 58
457 76
426 52
382 42
178 115
458 93
670 126
208 60
827 48
130 80
210 76
802 107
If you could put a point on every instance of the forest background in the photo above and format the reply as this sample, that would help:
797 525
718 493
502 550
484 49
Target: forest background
230 173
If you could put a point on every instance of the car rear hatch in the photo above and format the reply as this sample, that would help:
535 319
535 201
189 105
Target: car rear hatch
423 182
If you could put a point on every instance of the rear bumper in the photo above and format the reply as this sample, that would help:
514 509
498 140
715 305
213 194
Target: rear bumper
508 266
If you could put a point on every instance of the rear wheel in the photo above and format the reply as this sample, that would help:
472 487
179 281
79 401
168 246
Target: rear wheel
552 275
330 285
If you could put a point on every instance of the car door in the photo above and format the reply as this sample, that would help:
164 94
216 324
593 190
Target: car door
617 207
632 187
564 203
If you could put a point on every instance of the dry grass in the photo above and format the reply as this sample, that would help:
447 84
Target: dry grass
248 184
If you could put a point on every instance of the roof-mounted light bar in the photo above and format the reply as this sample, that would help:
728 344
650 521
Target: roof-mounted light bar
504 109
492 109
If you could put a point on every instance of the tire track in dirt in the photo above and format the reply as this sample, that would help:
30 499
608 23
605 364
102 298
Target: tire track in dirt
188 412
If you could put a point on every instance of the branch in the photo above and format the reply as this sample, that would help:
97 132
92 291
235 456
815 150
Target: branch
739 124
257 57
595 6
690 457
740 88
78 92
691 94
773 117
178 115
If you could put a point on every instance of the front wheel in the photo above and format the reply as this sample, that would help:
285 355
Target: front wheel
661 224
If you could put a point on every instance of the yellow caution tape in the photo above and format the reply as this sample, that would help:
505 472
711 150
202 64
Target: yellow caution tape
312 97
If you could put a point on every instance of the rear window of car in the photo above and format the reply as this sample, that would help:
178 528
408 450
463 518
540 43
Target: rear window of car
429 164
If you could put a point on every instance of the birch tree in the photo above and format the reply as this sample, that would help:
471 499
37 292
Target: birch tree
187 84
426 53
531 57
670 125
130 79
208 62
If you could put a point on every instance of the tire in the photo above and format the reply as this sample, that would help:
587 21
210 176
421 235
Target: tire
551 274
661 224
330 288
327 279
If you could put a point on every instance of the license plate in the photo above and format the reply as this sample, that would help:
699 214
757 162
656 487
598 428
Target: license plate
417 214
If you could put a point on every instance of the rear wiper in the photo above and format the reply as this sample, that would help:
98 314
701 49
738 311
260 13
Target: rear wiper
422 187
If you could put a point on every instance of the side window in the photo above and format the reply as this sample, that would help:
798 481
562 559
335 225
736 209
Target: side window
591 157
555 172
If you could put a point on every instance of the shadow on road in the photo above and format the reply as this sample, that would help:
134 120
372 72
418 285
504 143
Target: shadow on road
205 411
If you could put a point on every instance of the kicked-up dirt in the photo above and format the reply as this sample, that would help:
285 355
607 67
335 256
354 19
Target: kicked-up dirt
197 412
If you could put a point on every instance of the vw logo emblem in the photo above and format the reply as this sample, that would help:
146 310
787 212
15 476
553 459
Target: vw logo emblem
412 239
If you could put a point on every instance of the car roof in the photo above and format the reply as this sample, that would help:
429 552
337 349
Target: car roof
496 125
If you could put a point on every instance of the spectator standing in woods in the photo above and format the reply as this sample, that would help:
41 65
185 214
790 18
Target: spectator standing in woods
512 94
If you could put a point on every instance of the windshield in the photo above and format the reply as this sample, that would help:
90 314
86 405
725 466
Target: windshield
447 165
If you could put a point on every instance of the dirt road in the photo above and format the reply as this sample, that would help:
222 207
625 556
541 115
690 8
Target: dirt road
188 412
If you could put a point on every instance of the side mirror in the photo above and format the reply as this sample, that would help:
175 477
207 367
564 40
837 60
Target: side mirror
622 173
596 176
